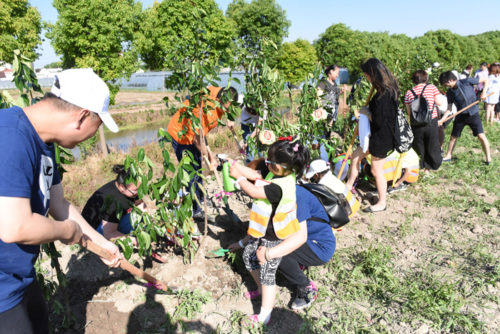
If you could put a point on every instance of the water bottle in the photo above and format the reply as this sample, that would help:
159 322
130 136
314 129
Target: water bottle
227 180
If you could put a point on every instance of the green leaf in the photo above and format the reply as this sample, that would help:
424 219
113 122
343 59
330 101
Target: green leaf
140 155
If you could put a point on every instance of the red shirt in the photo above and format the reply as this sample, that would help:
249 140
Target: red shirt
430 93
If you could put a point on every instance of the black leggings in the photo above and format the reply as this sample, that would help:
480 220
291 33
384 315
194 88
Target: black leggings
290 265
426 144
29 316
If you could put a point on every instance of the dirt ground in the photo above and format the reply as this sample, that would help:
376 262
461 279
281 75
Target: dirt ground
112 301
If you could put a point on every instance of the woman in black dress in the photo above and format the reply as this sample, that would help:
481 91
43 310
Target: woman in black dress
382 112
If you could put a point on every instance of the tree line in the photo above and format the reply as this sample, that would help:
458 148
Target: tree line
117 37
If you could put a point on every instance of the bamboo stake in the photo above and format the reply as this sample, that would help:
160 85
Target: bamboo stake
124 264
349 149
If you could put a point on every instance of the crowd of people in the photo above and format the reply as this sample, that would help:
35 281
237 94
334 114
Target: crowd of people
284 233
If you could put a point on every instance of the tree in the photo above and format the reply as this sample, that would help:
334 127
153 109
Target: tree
257 20
20 28
296 60
170 29
97 34
341 44
55 64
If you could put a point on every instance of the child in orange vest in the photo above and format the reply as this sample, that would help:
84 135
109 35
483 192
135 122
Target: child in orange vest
272 218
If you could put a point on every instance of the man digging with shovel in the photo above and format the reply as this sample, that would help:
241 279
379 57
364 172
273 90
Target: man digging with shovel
30 189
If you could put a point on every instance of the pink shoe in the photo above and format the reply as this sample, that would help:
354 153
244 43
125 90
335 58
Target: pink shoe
313 286
253 321
252 294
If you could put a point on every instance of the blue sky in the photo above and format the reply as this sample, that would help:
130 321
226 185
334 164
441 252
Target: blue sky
310 18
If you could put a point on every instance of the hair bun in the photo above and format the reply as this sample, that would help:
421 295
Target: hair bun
118 169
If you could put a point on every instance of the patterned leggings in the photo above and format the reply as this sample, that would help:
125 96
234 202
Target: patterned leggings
268 269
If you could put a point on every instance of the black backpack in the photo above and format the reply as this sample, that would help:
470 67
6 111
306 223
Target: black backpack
336 206
419 107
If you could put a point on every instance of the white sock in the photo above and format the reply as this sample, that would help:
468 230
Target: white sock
265 314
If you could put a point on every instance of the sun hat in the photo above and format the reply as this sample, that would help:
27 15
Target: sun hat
317 166
83 88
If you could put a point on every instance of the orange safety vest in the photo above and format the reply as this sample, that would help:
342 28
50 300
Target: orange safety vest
285 220
209 120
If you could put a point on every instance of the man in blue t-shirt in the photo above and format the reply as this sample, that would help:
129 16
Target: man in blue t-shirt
30 189
462 94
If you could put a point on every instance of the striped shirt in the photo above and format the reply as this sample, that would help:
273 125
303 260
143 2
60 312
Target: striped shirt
430 93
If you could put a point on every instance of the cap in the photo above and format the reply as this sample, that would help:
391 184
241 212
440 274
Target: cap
317 166
83 88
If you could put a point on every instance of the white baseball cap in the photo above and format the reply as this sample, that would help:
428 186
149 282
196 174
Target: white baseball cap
317 166
83 88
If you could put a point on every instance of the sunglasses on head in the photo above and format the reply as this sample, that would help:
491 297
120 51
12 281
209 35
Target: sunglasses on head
269 162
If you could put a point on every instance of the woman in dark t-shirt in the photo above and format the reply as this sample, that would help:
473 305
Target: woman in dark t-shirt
108 209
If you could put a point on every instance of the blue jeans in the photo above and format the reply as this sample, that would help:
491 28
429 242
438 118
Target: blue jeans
179 149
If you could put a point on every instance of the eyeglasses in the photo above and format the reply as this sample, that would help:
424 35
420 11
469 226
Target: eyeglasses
269 162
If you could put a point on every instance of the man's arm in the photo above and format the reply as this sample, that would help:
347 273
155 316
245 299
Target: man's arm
60 208
20 225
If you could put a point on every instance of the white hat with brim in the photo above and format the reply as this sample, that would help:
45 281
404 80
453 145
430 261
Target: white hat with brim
317 166
85 89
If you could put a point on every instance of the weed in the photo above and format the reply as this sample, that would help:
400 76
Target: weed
190 303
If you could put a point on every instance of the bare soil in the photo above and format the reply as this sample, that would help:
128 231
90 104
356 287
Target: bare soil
107 300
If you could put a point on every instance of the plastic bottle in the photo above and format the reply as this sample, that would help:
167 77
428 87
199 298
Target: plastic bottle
227 180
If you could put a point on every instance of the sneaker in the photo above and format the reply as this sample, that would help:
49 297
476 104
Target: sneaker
305 297
401 187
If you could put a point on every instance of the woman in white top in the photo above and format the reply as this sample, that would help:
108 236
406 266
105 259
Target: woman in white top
494 87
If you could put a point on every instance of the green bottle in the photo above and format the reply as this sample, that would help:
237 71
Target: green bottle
227 179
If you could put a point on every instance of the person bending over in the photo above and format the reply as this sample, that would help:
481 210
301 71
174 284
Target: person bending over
461 93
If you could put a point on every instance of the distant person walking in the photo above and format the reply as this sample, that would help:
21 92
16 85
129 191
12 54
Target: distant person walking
461 92
467 73
494 87
481 74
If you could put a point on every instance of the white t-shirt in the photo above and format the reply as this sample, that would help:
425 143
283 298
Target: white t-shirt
494 87
247 118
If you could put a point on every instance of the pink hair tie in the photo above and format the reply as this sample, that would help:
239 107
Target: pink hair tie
296 147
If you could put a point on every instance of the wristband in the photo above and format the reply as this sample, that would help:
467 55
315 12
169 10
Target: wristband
232 163
240 242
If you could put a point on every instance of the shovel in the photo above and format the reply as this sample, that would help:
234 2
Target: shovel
464 109
124 264
216 253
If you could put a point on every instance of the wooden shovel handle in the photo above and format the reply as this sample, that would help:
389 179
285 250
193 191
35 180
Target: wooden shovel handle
124 264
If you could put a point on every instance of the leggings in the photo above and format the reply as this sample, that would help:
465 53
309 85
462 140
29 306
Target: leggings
268 269
29 316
